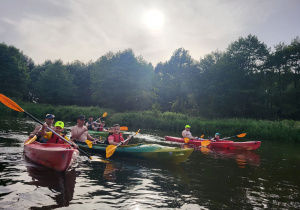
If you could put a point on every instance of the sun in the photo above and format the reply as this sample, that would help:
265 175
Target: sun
154 19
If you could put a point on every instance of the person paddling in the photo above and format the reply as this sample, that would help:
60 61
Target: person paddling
186 133
80 132
216 138
116 137
91 125
49 119
50 137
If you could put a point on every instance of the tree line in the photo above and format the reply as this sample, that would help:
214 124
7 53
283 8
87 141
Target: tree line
247 80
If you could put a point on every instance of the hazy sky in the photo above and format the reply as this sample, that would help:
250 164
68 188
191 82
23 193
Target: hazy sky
85 30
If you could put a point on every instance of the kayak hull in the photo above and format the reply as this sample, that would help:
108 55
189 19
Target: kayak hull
60 157
98 133
222 144
153 152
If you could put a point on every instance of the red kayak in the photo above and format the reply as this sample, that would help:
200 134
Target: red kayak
57 156
222 144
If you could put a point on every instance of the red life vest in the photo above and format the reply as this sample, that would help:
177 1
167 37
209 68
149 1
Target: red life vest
100 128
117 137
55 139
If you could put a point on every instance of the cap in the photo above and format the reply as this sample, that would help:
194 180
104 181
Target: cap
90 116
50 116
217 134
187 126
81 117
59 124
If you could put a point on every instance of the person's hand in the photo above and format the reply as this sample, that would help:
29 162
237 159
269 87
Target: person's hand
44 125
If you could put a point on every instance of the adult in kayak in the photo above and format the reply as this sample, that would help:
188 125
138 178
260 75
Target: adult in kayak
116 137
91 125
49 119
186 133
80 132
216 138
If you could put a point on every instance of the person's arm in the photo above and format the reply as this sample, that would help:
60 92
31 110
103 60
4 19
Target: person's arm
35 131
111 140
91 138
75 134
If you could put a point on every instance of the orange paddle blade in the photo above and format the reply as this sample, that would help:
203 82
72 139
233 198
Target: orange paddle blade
10 103
29 141
205 150
89 143
201 136
124 128
105 114
110 150
186 140
242 135
205 143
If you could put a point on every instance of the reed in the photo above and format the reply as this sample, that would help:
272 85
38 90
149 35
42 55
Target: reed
284 130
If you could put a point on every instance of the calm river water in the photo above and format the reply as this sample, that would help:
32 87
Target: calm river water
268 178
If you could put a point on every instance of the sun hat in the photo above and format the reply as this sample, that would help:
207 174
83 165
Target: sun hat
50 116
59 124
187 126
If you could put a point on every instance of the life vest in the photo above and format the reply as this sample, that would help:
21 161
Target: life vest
117 137
55 139
100 128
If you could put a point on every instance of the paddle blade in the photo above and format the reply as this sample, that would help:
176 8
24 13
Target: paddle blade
124 128
186 140
205 143
29 141
137 132
242 135
89 143
205 150
110 150
201 136
105 114
10 103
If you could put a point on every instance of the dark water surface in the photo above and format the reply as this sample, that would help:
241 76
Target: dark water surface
266 178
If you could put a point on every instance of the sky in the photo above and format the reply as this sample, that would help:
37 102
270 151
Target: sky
85 30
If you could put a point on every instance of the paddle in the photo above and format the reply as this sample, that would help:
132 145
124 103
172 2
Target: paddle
112 148
13 105
29 141
104 115
186 140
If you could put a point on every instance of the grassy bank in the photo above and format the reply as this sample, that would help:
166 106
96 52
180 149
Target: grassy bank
286 130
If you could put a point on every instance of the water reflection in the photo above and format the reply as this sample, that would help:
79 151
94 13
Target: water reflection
242 157
62 184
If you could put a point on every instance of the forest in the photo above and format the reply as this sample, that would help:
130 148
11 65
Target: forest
247 80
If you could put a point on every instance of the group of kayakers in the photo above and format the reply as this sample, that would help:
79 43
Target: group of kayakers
186 133
94 125
79 133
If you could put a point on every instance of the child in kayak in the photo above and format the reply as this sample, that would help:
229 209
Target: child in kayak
216 138
50 137
116 137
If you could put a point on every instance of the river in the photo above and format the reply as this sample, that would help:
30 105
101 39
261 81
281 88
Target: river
267 178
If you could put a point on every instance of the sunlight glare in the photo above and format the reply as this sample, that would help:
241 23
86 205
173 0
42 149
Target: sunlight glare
154 19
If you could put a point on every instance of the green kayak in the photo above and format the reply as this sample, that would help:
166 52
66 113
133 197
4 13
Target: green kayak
143 151
100 133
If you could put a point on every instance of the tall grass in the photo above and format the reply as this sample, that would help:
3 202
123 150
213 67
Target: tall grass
286 130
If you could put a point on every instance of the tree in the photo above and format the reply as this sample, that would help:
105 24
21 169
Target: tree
14 72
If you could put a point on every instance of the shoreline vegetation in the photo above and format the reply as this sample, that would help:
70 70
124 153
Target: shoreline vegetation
261 130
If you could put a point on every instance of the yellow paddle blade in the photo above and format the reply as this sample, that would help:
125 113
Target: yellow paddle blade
105 114
205 143
10 103
110 150
137 132
242 135
29 141
201 136
124 128
205 150
89 143
186 140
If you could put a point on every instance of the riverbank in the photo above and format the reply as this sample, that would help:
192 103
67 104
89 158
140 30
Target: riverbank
284 130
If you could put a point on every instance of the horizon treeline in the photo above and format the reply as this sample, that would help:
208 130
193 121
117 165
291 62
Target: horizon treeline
247 80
